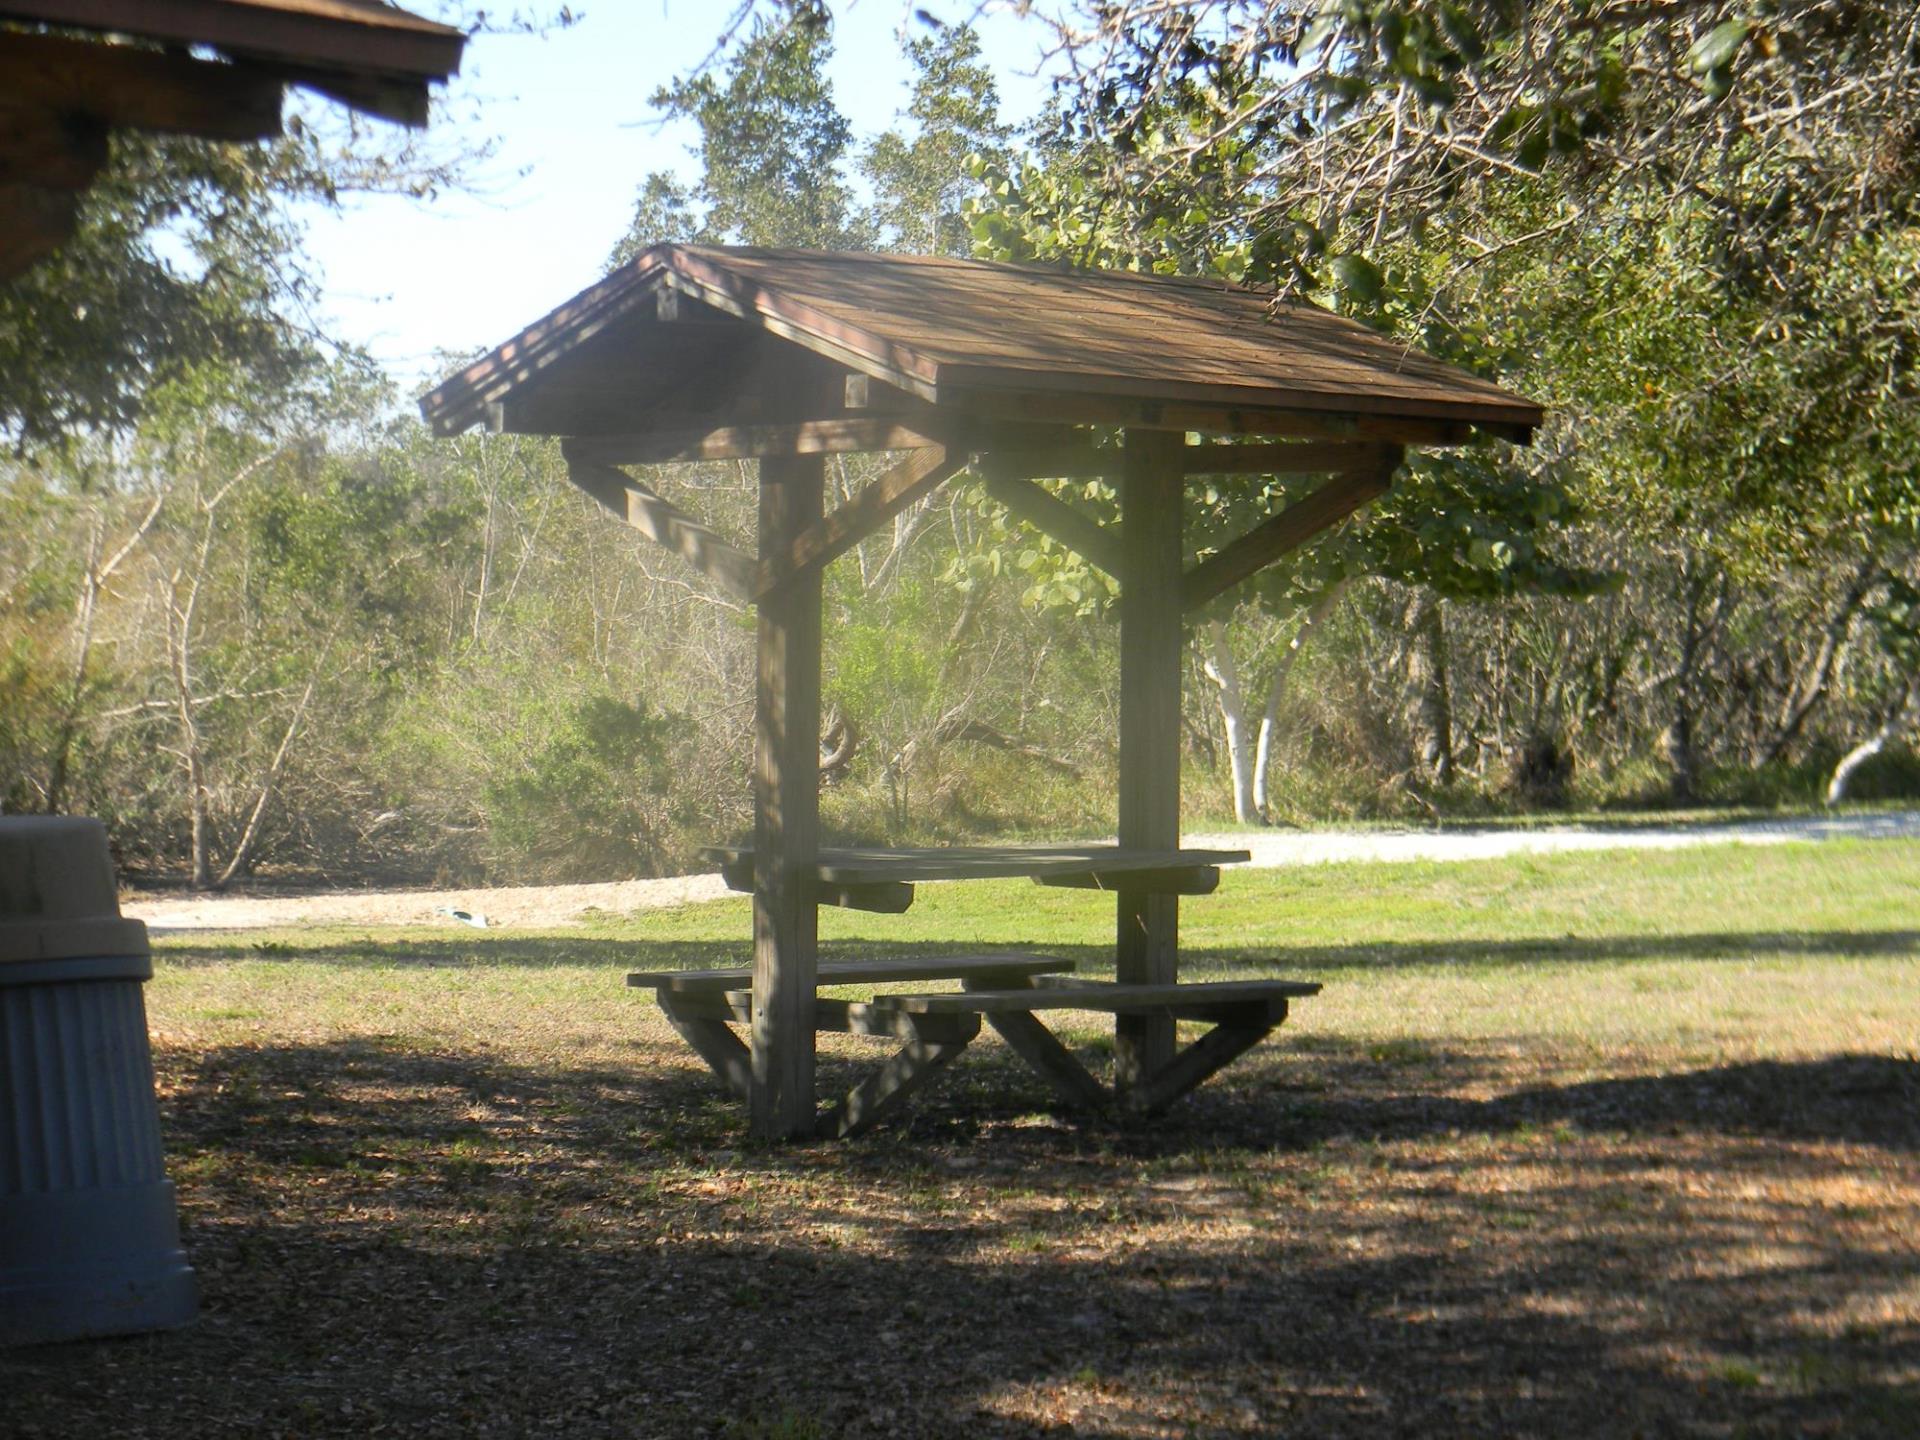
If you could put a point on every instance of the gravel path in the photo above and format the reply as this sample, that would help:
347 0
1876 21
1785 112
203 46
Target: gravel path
547 905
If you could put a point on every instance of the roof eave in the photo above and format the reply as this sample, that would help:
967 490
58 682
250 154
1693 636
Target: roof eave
384 40
461 400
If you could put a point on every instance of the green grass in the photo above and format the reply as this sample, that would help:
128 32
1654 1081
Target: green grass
1802 946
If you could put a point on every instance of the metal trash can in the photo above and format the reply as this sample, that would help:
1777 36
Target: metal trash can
89 1236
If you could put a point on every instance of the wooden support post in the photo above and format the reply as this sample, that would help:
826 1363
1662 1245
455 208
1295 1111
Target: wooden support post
786 785
1148 931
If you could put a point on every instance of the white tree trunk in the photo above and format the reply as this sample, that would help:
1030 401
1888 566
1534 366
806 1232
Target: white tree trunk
1860 754
1315 617
1225 674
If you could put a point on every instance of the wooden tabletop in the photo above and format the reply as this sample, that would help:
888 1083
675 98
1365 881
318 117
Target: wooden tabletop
863 866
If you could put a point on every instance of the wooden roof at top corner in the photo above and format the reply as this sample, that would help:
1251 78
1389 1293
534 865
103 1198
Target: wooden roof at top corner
960 333
361 36
141 65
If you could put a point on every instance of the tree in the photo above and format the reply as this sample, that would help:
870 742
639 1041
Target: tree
773 148
1470 527
921 181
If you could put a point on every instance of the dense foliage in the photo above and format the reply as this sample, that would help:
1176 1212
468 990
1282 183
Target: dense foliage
251 619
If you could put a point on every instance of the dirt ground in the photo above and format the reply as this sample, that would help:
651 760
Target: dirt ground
1468 1242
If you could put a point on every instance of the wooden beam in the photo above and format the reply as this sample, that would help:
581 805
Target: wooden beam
1288 530
1227 1000
1053 462
399 99
359 38
49 149
786 796
890 897
665 523
1310 457
1148 920
836 1017
1085 536
833 535
748 442
1212 1052
1084 409
34 222
126 87
1180 880
999 969
683 311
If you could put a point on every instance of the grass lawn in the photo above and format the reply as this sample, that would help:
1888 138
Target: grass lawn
1604 1144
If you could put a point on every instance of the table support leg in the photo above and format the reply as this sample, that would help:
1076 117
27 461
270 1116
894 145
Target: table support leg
1034 1043
908 1070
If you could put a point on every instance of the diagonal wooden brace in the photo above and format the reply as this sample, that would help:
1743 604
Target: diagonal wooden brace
664 523
1034 1043
1212 1052
1097 544
1290 529
922 472
908 1070
930 1044
725 1053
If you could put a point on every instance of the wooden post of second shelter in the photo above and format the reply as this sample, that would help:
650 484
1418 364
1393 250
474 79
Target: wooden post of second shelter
1150 556
786 796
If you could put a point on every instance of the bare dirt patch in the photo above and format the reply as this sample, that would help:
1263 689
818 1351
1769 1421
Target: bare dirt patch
519 906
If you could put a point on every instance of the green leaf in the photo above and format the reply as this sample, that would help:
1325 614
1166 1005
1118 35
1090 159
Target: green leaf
1464 34
1321 32
1718 46
1359 277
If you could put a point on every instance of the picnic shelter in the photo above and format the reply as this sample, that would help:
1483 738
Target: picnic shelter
969 372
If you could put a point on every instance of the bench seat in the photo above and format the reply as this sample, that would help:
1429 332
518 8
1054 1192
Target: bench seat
1010 967
1200 1000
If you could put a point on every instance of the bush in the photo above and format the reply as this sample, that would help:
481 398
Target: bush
599 798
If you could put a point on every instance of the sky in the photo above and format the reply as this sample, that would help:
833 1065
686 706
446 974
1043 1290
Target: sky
407 278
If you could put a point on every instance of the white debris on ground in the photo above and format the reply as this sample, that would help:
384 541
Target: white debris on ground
544 906
1320 847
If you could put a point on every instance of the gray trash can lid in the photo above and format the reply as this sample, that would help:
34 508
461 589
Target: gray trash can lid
58 899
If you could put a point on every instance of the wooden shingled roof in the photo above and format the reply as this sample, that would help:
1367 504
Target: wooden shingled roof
1028 342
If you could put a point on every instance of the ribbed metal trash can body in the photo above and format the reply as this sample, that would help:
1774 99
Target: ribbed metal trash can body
89 1236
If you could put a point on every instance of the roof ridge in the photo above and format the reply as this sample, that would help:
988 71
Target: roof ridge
1215 284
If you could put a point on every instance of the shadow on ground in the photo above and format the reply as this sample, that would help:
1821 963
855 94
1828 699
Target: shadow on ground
411 1242
1198 963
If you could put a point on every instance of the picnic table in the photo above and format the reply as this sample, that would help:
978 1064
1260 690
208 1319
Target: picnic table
934 1027
1017 377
